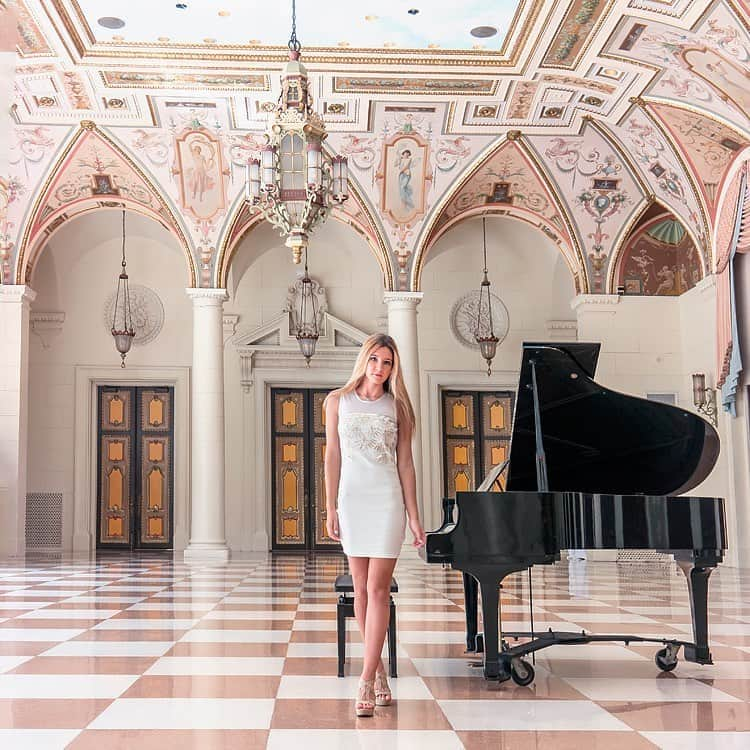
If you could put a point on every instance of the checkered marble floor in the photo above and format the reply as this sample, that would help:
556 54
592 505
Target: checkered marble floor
145 651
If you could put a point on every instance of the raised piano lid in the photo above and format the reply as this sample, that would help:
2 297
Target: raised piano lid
599 440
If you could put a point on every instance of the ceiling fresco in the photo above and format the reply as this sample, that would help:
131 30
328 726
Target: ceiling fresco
573 116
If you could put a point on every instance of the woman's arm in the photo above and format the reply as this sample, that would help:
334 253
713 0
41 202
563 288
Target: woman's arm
332 465
408 477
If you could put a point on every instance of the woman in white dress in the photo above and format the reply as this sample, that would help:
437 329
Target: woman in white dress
370 490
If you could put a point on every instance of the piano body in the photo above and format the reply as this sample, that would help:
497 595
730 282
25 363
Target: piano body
589 468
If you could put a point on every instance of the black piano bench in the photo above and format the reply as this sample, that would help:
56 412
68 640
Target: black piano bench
345 608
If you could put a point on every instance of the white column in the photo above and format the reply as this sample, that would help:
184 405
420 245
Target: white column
402 327
15 302
207 518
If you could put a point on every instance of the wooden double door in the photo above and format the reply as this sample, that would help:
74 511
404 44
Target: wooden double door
476 436
135 467
298 496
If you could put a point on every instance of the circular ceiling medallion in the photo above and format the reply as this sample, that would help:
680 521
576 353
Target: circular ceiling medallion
147 310
463 319
483 32
111 22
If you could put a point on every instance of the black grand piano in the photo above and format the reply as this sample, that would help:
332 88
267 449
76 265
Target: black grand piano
589 468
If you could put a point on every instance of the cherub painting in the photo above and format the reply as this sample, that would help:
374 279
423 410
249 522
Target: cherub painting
201 173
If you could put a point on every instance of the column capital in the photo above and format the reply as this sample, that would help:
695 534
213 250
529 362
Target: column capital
17 293
403 299
207 297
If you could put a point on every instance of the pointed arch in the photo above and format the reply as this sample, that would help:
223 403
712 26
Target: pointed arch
704 252
484 190
355 212
638 225
93 171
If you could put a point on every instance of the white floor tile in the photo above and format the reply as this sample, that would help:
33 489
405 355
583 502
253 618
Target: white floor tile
152 606
205 665
69 614
110 648
11 662
236 636
534 716
641 690
699 740
186 713
23 605
39 634
145 623
225 614
367 739
308 686
64 685
37 739
432 636
607 651
324 650
448 668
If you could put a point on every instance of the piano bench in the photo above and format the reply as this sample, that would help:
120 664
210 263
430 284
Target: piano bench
345 608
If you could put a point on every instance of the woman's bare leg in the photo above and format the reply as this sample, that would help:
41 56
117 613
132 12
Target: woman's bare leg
358 567
379 576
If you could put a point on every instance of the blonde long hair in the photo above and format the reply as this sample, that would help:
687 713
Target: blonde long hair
394 384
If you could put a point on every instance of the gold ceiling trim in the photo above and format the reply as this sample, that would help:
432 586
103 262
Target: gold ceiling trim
150 80
243 53
414 85
588 41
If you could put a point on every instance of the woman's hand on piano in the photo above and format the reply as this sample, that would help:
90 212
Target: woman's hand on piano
419 536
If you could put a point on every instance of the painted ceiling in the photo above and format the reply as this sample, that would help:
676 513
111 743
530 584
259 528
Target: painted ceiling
576 117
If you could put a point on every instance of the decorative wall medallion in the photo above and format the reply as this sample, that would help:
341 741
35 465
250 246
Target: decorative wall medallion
464 319
148 313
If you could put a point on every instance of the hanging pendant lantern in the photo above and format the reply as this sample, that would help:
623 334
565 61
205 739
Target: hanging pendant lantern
122 317
484 333
295 183
308 331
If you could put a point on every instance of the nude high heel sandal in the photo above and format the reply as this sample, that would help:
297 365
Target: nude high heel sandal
383 696
365 705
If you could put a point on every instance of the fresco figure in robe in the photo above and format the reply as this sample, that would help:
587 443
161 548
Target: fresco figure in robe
405 190
199 178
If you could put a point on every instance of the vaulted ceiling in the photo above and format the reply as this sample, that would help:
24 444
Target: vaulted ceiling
576 117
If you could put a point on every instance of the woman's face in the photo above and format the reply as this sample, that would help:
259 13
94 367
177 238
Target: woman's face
379 365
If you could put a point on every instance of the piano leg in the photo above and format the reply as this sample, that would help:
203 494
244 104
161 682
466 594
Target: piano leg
470 605
493 669
697 581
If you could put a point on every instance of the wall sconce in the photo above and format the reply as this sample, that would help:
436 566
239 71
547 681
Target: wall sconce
704 398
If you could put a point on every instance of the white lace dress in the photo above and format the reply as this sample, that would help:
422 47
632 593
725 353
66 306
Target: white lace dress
372 517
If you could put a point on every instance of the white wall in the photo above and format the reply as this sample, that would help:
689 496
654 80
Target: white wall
75 274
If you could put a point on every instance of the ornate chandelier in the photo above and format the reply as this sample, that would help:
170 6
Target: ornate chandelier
294 181
484 334
122 317
308 331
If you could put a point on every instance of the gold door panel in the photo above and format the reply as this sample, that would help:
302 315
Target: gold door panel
298 492
135 475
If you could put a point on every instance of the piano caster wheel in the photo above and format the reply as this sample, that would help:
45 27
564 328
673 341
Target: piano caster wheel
522 672
666 659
